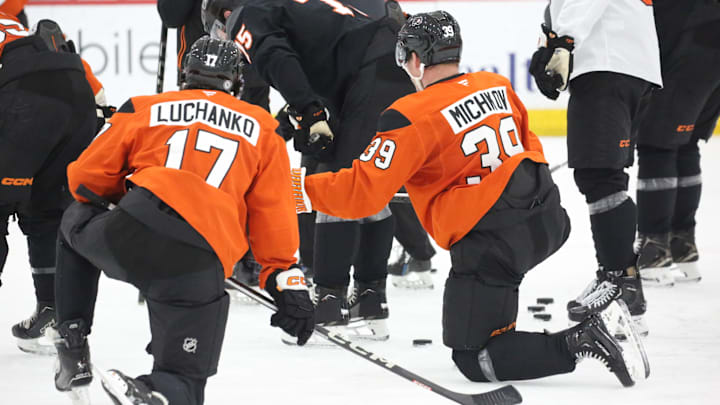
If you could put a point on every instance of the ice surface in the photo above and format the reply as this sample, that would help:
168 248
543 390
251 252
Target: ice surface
256 368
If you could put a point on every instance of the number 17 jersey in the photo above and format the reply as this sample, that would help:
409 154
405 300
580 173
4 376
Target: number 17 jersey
454 146
214 159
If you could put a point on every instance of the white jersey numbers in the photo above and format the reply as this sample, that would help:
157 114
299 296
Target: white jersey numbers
385 152
205 142
503 140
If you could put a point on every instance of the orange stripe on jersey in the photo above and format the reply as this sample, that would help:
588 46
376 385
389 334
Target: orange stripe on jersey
183 46
10 30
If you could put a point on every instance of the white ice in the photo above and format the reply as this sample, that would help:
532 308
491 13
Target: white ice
256 368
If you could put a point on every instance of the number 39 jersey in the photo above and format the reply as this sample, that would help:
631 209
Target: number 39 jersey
214 159
453 145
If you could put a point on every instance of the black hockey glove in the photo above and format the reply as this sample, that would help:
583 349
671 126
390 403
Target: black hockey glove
296 312
285 128
312 131
552 64
104 112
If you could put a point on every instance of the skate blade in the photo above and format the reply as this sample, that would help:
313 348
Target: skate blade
687 272
111 384
41 346
414 281
79 396
373 329
617 317
658 276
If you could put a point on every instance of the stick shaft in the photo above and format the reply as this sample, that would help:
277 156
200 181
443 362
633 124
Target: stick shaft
161 60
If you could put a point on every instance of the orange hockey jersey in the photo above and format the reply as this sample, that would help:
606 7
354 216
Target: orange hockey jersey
214 159
10 30
453 145
12 7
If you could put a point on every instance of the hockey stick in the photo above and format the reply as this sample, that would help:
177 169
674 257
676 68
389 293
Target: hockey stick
161 59
404 198
506 395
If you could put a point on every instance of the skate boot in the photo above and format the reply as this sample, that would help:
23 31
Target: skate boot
655 261
595 297
73 370
124 390
247 271
31 333
632 295
368 311
685 255
416 275
331 308
591 339
397 265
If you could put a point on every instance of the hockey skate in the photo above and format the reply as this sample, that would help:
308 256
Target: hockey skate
247 271
368 311
415 275
73 370
606 288
31 333
124 390
685 255
655 261
591 339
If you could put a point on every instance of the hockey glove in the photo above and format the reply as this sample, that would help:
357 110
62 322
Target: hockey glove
296 312
104 112
285 128
312 131
552 64
303 205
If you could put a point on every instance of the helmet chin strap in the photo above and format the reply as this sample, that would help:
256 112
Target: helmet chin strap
416 80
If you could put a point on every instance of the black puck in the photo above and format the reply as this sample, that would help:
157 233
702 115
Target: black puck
545 300
544 317
536 308
422 342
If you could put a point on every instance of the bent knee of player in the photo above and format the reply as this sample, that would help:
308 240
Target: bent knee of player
475 365
596 184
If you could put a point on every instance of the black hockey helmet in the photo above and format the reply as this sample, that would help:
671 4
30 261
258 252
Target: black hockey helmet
53 36
213 15
212 64
434 37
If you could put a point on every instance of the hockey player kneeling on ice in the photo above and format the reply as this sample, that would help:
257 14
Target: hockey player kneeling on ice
480 184
209 178
41 77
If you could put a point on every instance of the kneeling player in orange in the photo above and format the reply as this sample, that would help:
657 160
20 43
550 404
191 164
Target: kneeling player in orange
198 176
480 185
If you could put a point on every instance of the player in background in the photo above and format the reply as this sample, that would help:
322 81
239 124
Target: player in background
177 244
334 67
48 117
678 116
607 80
481 186
15 8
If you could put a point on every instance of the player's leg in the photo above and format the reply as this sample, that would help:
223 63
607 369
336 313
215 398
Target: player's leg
683 246
602 112
5 212
414 265
41 230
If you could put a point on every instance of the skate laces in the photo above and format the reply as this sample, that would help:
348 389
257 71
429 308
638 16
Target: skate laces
604 293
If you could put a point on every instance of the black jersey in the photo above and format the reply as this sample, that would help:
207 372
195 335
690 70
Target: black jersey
306 49
673 17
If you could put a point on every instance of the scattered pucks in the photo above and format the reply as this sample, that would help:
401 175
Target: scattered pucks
545 300
422 342
536 308
544 317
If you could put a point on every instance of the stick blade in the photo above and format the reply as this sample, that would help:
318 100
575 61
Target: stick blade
507 395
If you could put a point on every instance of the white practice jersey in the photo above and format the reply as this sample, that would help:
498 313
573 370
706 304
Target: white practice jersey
610 35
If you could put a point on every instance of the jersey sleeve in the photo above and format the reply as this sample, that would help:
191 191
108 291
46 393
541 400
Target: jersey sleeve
102 167
265 44
578 17
272 222
393 156
95 85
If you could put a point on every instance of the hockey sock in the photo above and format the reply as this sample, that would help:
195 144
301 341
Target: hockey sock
374 250
44 288
335 246
76 283
516 356
689 187
614 233
656 189
306 224
410 233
